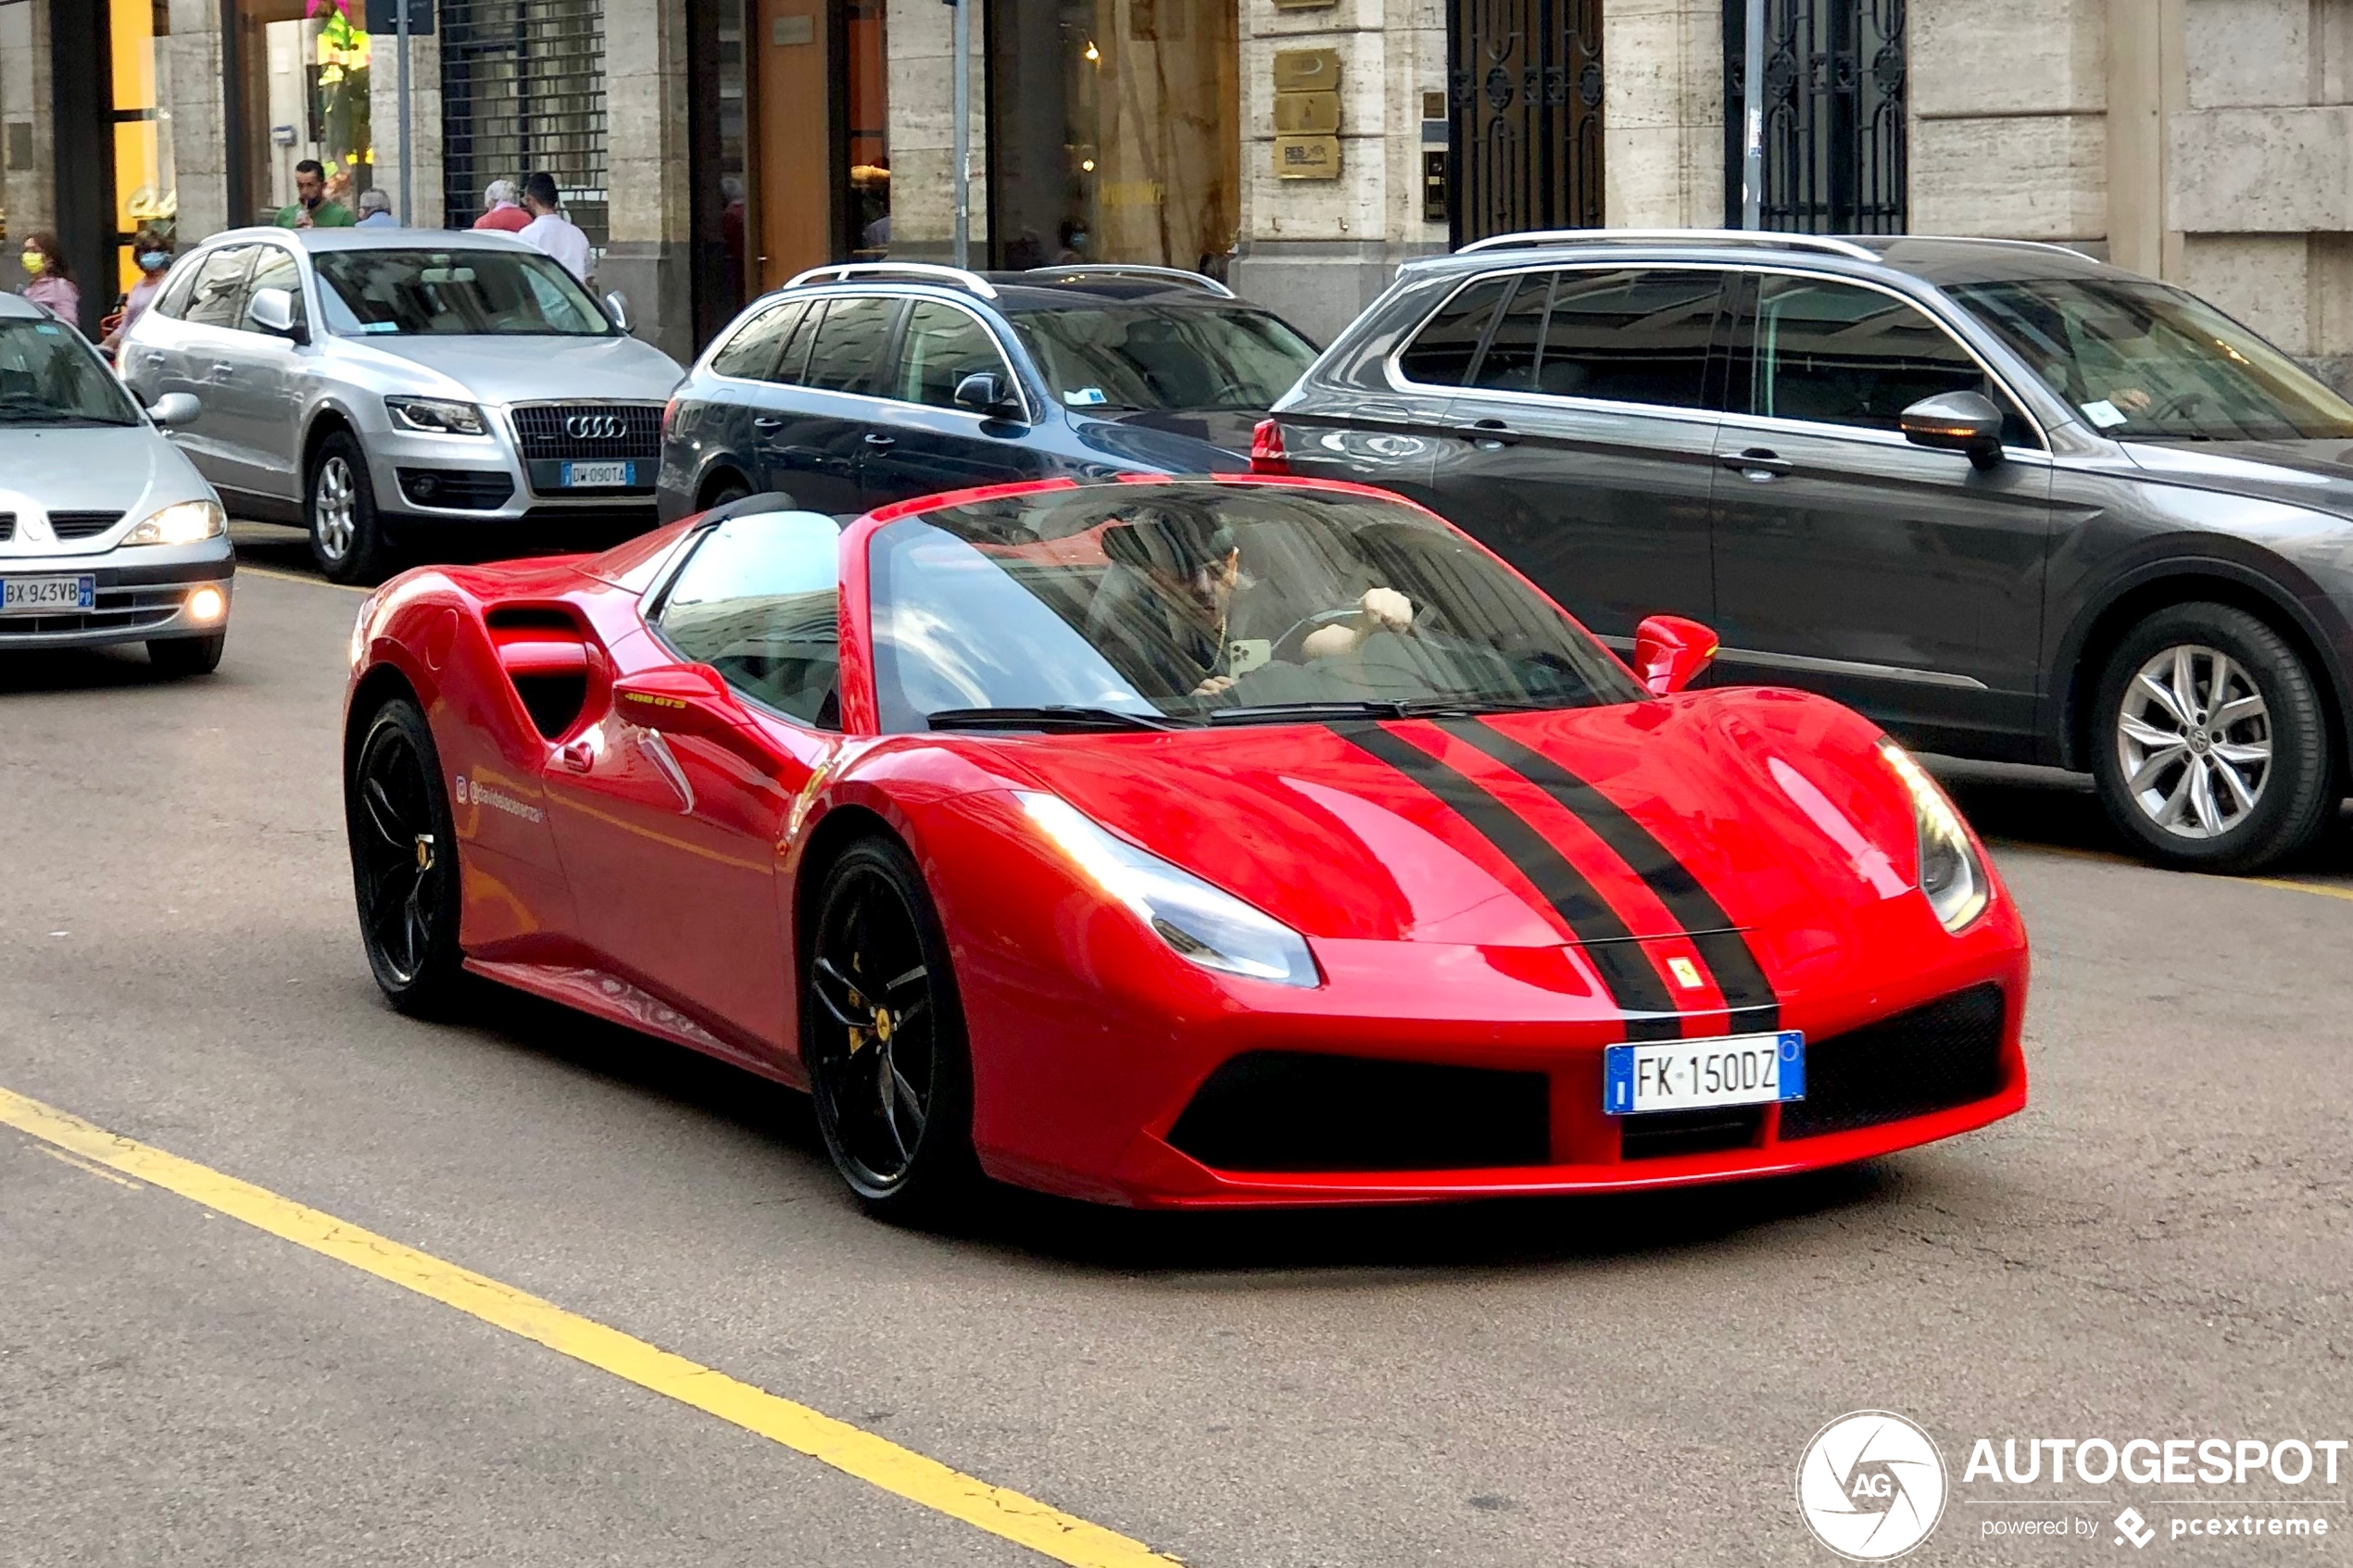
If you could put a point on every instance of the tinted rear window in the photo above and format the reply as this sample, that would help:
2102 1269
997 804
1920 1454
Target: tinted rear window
1441 355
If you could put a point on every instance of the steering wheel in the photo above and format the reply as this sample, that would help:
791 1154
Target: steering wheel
2180 403
1291 647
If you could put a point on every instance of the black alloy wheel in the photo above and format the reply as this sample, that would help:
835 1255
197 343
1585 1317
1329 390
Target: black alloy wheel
883 1039
404 861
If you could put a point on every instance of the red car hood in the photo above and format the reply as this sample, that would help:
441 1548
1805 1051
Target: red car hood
1773 806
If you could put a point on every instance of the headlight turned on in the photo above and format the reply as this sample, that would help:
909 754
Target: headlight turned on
436 415
1952 876
182 522
1205 924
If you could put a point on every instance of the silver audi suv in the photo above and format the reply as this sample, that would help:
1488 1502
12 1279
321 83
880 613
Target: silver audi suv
382 387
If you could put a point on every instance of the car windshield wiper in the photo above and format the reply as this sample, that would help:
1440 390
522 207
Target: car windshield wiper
1051 716
1373 707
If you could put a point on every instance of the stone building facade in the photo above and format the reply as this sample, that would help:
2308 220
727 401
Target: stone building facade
2207 142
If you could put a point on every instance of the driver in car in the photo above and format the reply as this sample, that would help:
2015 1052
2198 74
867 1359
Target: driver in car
1165 612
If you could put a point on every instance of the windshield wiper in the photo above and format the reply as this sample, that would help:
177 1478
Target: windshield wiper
1315 711
1051 716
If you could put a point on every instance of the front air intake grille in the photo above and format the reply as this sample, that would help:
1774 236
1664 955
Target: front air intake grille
1944 1054
7 526
1301 1111
591 432
1662 1134
81 525
465 490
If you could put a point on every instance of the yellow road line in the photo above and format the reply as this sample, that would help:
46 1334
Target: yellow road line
847 1449
2289 885
245 570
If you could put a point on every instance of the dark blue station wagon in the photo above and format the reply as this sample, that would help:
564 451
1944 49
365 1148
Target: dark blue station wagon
857 386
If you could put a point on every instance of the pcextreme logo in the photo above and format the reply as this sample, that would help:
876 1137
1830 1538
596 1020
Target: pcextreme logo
1871 1485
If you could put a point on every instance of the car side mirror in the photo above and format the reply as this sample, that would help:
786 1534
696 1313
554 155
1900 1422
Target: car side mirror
986 393
175 408
617 307
1967 422
273 311
680 699
1670 653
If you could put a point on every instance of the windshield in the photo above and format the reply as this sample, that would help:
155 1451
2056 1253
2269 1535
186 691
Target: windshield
1120 359
2140 361
445 293
1198 603
49 377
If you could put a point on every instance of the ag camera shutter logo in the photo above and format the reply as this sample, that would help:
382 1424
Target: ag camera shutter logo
1871 1485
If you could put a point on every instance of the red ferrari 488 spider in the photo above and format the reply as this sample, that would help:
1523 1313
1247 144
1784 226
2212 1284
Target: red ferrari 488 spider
1177 843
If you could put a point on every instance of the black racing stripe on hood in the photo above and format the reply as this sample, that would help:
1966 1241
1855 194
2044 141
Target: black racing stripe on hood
1633 983
1748 993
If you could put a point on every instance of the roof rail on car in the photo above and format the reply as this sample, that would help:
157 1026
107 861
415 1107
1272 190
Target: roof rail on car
920 271
1201 281
1773 238
1994 240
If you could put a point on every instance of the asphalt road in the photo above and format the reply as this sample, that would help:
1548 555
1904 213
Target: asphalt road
2158 1247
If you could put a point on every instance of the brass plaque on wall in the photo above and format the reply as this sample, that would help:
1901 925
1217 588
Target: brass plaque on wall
1306 113
1306 71
1307 157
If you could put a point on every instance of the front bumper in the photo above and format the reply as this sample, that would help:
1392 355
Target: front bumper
142 594
425 481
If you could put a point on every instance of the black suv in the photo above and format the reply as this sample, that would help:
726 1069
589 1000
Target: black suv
2012 503
862 383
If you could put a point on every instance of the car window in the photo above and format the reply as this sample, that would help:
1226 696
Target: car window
1509 364
272 268
940 348
173 301
2141 360
1441 355
759 602
455 292
1838 353
219 293
752 353
849 348
1151 356
1626 335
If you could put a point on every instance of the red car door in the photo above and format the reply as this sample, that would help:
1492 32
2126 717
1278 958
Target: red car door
669 839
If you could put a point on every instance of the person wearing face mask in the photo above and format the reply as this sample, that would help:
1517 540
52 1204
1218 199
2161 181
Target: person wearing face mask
51 279
153 252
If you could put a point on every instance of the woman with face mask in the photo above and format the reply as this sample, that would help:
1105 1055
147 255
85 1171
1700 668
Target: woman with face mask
50 283
153 252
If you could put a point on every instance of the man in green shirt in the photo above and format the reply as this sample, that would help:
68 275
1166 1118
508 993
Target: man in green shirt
310 209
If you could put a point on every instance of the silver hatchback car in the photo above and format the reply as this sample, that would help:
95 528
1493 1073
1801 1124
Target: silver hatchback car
379 385
107 535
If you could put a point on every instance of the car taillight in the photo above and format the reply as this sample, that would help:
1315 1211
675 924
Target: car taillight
669 417
1266 454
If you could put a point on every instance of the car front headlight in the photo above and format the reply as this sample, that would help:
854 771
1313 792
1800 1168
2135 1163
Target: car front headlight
1205 924
436 415
1952 876
182 522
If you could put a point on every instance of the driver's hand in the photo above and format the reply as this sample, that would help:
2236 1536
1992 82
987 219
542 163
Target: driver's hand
1213 685
2132 399
1386 610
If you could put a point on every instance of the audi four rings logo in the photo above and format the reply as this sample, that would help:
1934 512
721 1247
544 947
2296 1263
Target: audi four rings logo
594 427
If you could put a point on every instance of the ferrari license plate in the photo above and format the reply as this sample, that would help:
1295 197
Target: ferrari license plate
1692 1074
46 595
590 476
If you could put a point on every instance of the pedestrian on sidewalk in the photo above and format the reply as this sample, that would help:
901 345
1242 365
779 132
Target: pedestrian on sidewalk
310 209
152 251
50 279
500 210
550 230
375 210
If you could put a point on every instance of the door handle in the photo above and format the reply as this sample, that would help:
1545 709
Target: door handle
1490 434
877 439
767 421
1758 464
